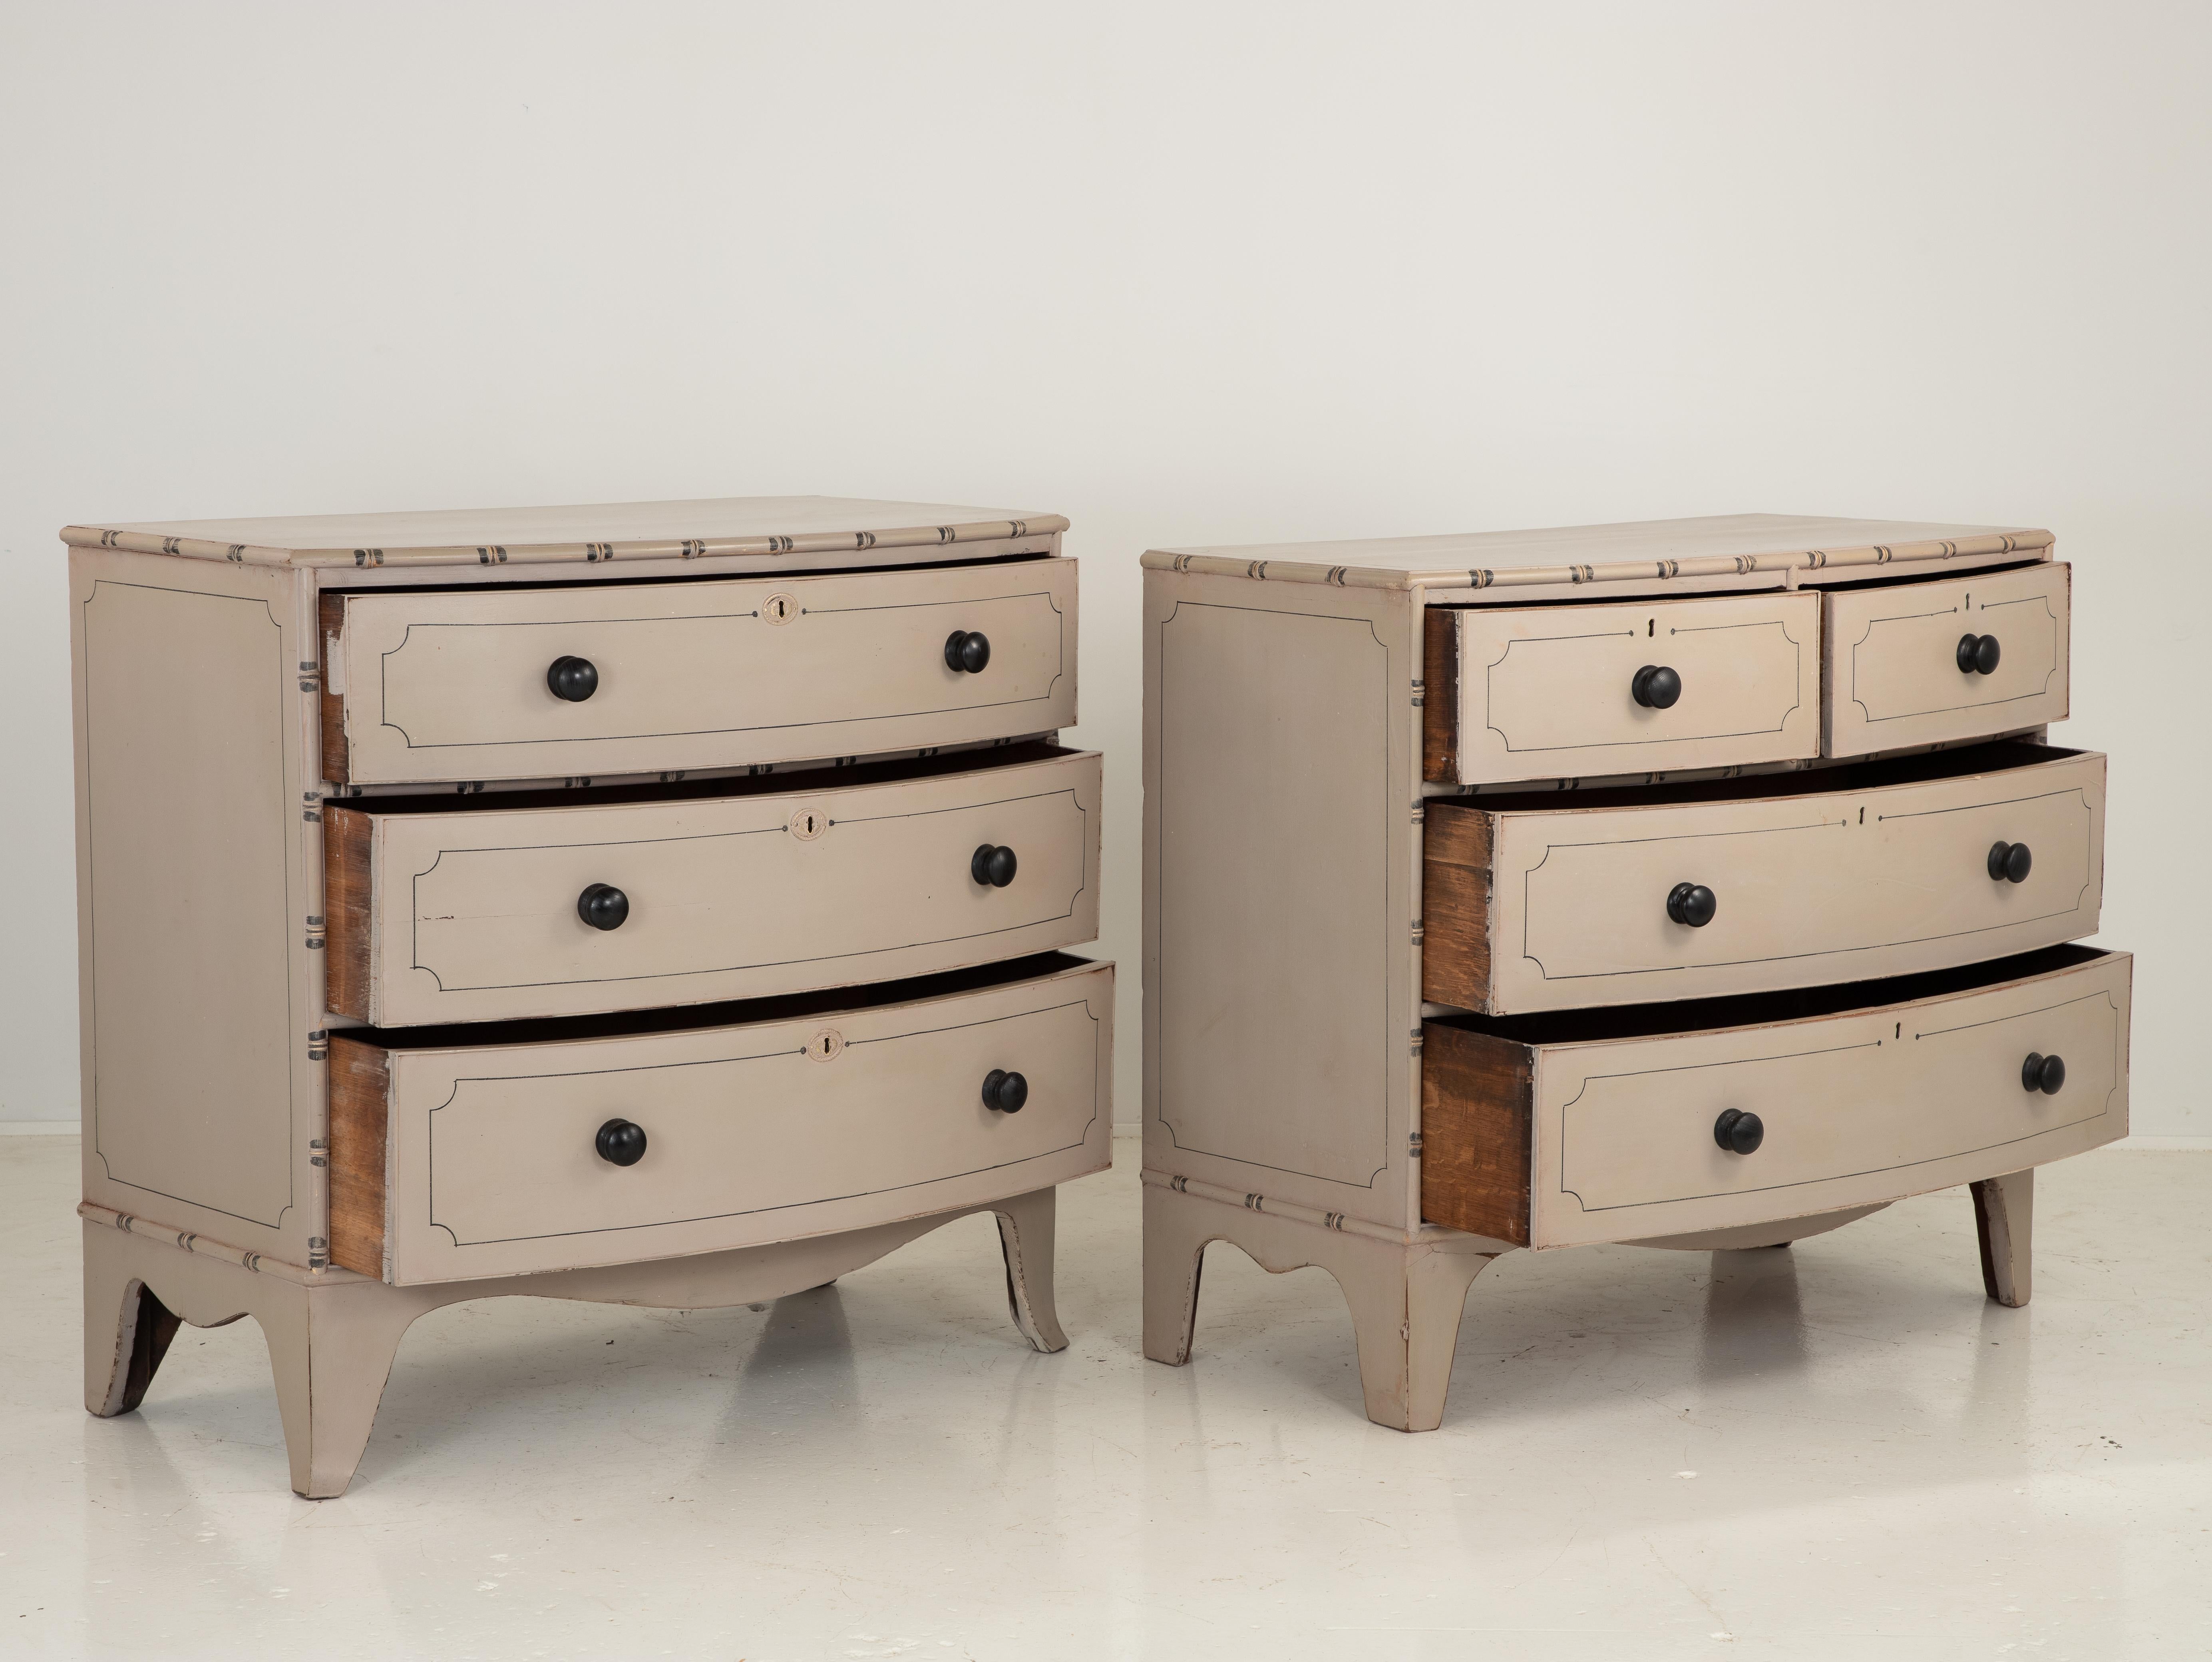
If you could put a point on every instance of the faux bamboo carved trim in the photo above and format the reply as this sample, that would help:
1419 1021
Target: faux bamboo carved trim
1619 571
1340 1222
189 1240
195 547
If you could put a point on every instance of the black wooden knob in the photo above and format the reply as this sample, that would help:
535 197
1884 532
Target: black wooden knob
1978 654
966 651
992 866
1738 1132
1655 687
1004 1091
620 1143
1692 904
573 678
2046 1074
2009 862
603 906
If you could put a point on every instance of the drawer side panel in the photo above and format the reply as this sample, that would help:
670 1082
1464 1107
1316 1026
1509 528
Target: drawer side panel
1476 1109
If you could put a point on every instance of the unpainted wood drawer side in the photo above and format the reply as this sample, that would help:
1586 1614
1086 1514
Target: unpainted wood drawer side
360 1092
1440 696
348 835
330 618
1477 1113
1457 847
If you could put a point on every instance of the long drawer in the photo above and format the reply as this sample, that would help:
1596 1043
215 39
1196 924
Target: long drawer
1601 1125
742 889
597 679
457 1152
1926 663
1528 693
1698 890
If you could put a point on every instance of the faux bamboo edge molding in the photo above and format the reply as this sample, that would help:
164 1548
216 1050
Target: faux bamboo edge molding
251 554
200 1246
1780 561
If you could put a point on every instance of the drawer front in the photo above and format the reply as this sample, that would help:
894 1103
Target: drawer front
752 1134
1856 1108
1805 888
1892 676
474 915
453 685
1550 691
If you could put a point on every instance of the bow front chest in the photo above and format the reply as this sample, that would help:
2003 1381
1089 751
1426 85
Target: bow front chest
663 903
1702 883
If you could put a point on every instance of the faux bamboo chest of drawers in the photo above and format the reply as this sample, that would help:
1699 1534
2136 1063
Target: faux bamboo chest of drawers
1703 883
662 904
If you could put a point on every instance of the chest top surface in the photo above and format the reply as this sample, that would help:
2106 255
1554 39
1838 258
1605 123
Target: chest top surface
466 537
1636 551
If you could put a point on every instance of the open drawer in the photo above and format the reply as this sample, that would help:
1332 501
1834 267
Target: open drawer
500 907
1930 663
1594 1125
1582 691
1556 901
606 678
468 1151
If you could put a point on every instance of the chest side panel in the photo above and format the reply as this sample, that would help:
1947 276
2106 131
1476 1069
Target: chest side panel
193 897
1279 809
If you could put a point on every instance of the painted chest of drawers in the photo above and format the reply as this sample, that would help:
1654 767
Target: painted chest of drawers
661 903
1702 883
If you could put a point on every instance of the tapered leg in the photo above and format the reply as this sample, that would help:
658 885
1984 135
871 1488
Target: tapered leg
331 1348
1026 1225
2004 1216
127 1328
1176 1229
1405 1305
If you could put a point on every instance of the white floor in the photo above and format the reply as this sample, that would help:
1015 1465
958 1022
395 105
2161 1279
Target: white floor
1837 1451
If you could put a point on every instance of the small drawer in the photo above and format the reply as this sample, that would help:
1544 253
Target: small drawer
556 1145
1577 691
741 889
1910 663
607 678
1556 1130
1697 890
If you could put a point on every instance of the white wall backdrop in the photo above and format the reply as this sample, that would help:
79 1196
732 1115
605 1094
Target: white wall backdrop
1184 272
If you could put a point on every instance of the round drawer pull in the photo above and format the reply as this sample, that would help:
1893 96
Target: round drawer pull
2046 1074
966 651
1738 1132
1655 687
1004 1092
1978 654
992 867
603 906
1692 904
621 1143
2009 862
574 679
